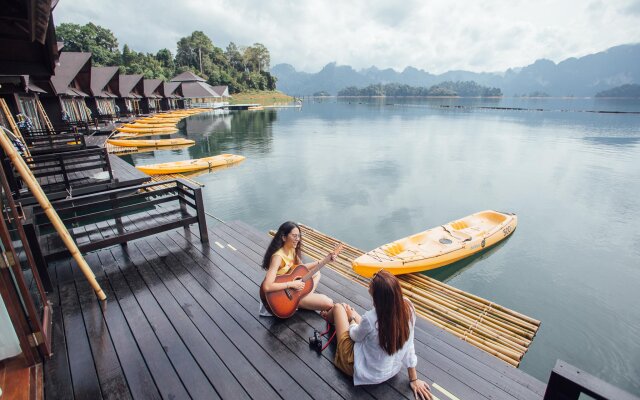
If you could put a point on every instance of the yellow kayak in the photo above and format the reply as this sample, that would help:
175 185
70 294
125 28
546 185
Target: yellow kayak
148 121
137 135
149 143
146 130
148 126
438 246
190 165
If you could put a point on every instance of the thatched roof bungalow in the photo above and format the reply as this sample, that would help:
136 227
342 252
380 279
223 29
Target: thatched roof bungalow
172 96
131 90
68 88
152 96
198 92
105 84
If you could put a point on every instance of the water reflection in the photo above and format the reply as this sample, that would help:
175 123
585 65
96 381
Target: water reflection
448 272
613 141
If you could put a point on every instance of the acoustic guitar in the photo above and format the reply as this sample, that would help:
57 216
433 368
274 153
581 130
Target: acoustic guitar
284 303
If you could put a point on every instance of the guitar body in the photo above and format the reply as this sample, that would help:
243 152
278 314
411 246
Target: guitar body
284 303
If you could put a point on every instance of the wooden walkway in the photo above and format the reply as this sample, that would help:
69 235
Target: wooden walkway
181 321
125 172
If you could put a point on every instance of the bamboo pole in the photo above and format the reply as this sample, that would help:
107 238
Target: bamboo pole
37 192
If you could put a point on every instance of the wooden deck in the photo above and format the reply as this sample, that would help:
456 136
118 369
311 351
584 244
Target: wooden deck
126 173
181 321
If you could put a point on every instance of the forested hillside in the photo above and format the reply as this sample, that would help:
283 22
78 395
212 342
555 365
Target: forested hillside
239 67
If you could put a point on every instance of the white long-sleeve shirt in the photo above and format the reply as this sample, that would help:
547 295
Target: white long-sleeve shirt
371 363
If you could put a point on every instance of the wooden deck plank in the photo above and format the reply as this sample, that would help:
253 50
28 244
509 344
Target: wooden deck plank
160 367
207 343
187 368
58 364
84 376
113 383
138 377
125 172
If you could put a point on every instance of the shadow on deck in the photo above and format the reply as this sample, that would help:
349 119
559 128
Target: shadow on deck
181 320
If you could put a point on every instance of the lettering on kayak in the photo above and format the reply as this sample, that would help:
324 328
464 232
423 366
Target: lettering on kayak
507 230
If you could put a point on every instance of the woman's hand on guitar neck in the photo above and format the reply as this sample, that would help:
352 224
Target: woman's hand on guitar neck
331 257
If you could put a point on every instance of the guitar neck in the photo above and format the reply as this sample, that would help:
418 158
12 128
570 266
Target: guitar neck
312 272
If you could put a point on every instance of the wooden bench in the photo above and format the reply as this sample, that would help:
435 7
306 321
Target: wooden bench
70 127
46 144
65 174
104 219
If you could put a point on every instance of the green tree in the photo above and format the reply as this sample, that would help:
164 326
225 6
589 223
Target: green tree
166 59
234 56
194 50
99 41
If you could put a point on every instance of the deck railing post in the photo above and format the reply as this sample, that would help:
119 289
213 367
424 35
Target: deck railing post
202 219
568 383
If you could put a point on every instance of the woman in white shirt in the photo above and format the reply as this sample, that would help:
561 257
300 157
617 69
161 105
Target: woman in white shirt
376 346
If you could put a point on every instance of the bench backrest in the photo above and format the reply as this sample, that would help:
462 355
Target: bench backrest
64 172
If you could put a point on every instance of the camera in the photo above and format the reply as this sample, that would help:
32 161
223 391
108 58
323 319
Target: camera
315 342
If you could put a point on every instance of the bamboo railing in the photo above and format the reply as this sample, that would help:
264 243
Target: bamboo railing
501 332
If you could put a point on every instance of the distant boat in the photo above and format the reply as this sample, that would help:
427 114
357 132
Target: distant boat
190 165
438 246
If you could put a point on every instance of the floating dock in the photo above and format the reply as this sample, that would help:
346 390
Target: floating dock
181 321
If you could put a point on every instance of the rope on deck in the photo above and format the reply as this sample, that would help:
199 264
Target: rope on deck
501 332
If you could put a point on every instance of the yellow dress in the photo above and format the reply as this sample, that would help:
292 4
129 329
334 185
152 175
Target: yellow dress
287 260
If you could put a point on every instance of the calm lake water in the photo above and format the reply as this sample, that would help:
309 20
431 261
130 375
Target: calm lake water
372 171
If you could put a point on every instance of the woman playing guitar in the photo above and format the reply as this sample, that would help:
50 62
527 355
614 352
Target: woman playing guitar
282 256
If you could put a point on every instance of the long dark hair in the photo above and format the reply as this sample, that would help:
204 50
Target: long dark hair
394 313
278 241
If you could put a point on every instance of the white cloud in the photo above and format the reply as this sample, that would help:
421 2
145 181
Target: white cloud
434 35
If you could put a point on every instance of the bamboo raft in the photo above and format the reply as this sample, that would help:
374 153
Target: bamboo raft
160 178
501 332
119 149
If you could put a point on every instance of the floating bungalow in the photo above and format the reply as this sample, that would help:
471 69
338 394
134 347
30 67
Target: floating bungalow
19 98
131 90
105 83
67 89
150 103
198 93
171 96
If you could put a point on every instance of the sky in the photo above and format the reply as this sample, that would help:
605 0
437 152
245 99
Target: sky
433 35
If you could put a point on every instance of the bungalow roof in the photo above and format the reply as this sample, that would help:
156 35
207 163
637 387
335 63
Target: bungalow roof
128 83
71 65
198 89
171 89
187 77
100 78
152 88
